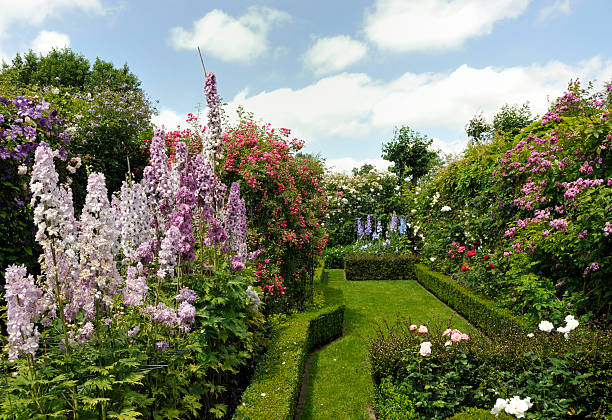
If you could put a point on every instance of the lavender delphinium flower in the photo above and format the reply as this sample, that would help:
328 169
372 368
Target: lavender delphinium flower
235 222
162 345
134 217
157 179
136 287
186 315
182 216
23 310
402 227
168 252
214 116
368 227
393 227
162 314
99 241
360 231
186 295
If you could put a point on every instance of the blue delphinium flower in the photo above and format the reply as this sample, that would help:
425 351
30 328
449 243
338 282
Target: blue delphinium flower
368 227
360 232
402 227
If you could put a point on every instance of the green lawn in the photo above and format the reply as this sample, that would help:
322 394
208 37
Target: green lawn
339 385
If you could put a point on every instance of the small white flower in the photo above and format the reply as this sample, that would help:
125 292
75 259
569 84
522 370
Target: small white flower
263 394
22 170
445 209
546 326
530 335
500 404
448 343
432 259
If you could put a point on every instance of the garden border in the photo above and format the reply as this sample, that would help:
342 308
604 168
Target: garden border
275 388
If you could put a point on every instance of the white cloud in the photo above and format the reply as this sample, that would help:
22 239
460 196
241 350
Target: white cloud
35 12
345 164
48 40
169 119
230 39
448 148
426 25
355 106
333 54
560 6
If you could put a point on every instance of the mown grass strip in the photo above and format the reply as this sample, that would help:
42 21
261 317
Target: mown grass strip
339 385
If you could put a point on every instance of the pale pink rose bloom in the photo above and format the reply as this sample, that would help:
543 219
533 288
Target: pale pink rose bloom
465 337
446 332
413 327
425 348
423 329
456 331
456 337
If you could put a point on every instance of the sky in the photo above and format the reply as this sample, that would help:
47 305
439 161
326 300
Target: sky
341 74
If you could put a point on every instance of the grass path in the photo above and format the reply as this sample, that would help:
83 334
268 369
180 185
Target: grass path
339 385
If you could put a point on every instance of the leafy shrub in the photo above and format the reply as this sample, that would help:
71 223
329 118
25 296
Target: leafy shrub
379 266
334 257
284 197
276 384
479 414
562 376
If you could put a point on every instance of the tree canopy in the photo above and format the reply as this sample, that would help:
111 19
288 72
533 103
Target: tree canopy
410 154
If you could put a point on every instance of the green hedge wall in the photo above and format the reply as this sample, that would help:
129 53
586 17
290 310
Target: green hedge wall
275 388
480 312
379 267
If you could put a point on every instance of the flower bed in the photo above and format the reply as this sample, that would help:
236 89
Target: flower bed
434 373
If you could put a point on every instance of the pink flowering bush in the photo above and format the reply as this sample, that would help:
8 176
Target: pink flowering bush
284 198
446 371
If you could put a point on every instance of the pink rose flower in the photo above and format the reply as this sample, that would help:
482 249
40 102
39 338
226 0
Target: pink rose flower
423 329
413 327
446 332
425 349
465 337
456 337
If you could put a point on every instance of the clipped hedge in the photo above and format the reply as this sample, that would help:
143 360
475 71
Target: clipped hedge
480 312
379 266
275 388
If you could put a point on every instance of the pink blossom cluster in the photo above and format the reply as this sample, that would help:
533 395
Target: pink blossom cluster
573 188
24 309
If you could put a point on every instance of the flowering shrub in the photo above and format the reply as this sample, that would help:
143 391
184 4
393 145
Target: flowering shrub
365 192
285 201
534 375
536 203
130 318
24 123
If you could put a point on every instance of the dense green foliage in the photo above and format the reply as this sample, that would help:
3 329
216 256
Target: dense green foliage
524 217
276 384
561 376
66 68
409 151
362 266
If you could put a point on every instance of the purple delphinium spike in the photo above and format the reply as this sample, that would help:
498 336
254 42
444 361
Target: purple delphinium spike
214 116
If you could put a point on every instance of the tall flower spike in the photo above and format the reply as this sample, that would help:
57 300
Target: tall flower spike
214 116
99 241
134 218
23 310
157 178
235 222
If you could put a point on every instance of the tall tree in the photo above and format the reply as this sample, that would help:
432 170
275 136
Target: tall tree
410 154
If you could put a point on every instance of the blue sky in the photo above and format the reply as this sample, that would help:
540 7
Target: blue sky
341 74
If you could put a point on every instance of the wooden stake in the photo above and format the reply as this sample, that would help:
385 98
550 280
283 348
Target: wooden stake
202 60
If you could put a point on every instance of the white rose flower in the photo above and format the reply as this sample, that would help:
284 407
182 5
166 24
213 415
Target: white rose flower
546 326
499 406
